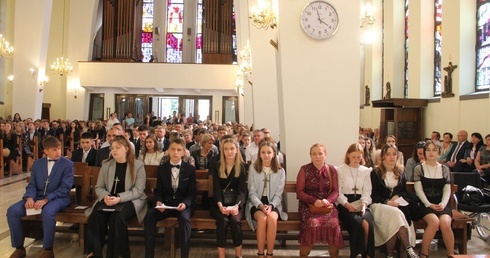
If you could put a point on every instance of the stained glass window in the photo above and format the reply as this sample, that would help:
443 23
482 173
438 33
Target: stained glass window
175 30
437 47
199 33
147 30
405 86
483 45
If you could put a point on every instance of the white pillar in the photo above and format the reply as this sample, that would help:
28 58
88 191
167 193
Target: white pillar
32 30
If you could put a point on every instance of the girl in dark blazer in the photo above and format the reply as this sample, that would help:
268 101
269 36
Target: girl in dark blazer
229 173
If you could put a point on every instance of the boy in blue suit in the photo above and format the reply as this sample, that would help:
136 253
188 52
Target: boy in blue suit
49 190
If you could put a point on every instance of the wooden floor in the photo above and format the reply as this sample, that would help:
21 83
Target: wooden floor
66 243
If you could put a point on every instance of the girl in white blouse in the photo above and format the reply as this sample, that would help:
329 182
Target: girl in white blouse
354 198
151 154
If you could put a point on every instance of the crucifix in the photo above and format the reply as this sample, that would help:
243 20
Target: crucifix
116 180
355 190
266 180
46 186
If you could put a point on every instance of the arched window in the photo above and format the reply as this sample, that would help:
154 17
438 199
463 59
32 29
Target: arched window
483 45
437 47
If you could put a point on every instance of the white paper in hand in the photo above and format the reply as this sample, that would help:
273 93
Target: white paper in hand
165 207
33 211
401 201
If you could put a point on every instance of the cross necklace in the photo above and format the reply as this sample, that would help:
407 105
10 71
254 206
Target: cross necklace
46 185
116 180
266 179
355 181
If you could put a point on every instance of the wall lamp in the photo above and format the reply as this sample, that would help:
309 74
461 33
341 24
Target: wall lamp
43 83
367 17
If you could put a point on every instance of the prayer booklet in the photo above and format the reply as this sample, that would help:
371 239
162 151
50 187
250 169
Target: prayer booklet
401 201
166 207
33 211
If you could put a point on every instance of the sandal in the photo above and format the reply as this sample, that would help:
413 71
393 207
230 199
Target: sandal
260 255
424 255
268 254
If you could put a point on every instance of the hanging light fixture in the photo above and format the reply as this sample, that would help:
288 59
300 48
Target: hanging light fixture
62 66
263 16
6 50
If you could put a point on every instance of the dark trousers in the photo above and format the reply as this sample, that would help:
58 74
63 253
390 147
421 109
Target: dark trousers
222 223
118 239
352 221
18 210
151 220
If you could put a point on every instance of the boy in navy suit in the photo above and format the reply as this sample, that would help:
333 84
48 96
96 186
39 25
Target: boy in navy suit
86 153
176 186
49 190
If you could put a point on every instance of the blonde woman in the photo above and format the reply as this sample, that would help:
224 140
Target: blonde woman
229 175
391 220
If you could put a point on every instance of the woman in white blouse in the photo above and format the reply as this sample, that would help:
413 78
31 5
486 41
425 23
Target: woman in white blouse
151 155
432 185
354 198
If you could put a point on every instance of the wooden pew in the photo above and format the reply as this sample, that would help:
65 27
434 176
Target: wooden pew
290 229
71 214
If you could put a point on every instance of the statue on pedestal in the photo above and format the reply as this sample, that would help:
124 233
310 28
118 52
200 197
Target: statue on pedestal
388 91
367 96
448 81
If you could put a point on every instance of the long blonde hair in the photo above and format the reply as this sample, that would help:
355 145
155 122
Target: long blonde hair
238 158
397 169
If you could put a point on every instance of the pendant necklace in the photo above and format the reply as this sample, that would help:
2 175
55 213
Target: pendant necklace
355 182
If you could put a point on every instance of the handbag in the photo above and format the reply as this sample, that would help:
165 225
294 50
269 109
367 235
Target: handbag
321 210
229 195
115 208
324 209
472 196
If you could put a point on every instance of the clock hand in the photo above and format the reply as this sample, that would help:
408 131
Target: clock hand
318 16
321 21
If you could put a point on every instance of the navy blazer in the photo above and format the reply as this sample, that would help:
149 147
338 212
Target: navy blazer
186 191
60 181
462 150
102 154
77 156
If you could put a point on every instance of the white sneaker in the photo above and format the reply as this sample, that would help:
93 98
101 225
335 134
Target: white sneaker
411 253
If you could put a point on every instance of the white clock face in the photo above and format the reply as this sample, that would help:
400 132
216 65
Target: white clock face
319 20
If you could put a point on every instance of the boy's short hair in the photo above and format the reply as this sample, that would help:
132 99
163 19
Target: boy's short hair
51 142
178 141
142 128
86 135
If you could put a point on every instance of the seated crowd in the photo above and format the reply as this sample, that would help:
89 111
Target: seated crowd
366 194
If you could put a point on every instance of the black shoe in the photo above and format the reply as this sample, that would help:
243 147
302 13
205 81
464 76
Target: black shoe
75 227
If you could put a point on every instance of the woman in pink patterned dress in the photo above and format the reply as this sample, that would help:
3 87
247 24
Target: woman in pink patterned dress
317 184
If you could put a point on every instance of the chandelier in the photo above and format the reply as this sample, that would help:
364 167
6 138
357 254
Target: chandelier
6 50
62 66
367 18
263 16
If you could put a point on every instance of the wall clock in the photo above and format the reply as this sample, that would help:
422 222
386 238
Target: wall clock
319 20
